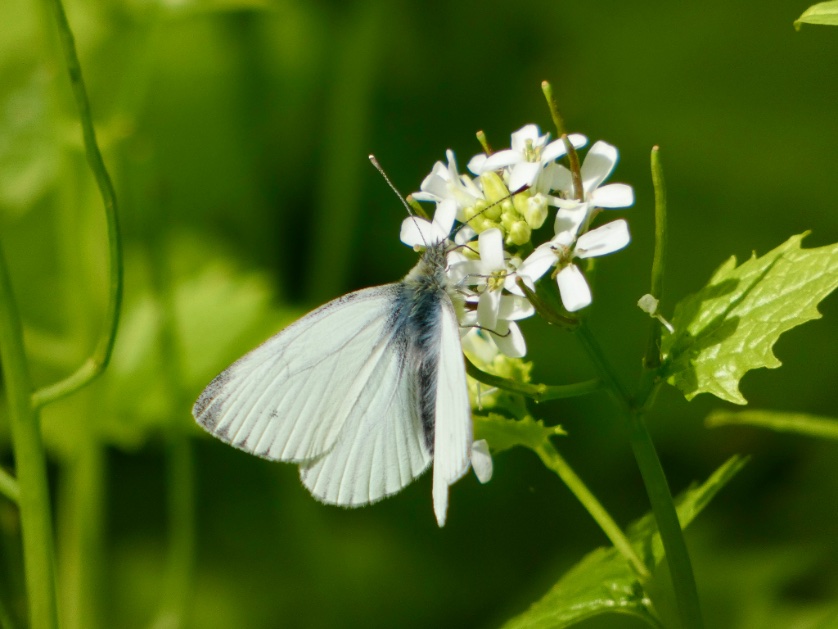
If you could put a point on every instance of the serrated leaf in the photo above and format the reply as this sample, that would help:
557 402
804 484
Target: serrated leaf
799 423
821 13
503 433
604 583
730 326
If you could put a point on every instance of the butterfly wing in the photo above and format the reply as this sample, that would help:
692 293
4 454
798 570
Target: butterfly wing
452 428
382 445
290 398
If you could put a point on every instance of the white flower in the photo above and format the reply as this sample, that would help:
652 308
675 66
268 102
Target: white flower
446 183
564 247
481 461
421 233
528 157
598 164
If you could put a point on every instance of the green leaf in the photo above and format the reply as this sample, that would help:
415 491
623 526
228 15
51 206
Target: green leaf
730 326
821 13
503 433
800 423
604 583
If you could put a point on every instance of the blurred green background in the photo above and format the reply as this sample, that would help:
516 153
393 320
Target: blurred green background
237 133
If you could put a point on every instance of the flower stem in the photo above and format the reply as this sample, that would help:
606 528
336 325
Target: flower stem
554 461
652 359
9 486
98 361
657 487
30 462
536 392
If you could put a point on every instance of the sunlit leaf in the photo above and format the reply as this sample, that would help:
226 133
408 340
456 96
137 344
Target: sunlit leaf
821 13
730 326
502 433
603 583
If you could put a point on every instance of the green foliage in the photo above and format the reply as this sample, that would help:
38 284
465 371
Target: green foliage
821 13
798 423
603 583
503 433
730 326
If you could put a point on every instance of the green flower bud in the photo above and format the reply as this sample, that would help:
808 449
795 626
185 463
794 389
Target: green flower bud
520 233
493 187
536 211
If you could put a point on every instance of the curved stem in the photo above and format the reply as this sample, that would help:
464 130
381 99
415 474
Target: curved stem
98 361
536 392
652 359
30 463
554 461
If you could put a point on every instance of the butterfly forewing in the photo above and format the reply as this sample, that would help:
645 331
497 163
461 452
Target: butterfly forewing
289 398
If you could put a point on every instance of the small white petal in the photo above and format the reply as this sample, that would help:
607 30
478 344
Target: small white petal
567 223
510 340
491 250
613 195
561 179
514 308
464 235
598 164
538 262
501 159
519 138
444 217
481 461
416 232
523 174
553 151
487 309
573 288
475 164
610 237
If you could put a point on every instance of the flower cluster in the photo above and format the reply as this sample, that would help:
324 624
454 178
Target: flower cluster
507 196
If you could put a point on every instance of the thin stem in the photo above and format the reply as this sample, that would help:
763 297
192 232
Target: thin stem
30 462
9 486
672 536
554 461
652 359
536 392
558 121
657 487
98 361
572 155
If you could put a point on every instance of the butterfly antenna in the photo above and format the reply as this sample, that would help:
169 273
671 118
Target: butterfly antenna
380 170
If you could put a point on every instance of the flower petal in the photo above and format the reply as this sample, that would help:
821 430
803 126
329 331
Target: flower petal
573 288
603 240
556 149
501 159
475 164
491 250
598 164
487 309
509 340
613 195
444 217
481 461
567 223
523 175
527 132
514 308
538 262
416 232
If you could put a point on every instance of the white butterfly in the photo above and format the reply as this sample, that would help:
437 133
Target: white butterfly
363 392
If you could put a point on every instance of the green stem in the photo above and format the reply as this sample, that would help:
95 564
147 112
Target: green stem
98 361
9 486
82 533
672 536
30 463
657 487
652 359
536 392
554 461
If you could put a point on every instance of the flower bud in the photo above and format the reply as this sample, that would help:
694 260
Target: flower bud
520 233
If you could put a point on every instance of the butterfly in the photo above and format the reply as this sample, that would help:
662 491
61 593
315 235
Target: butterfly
363 393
